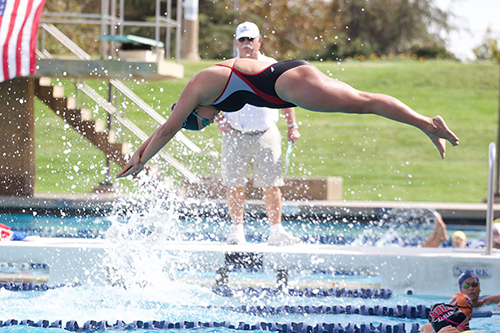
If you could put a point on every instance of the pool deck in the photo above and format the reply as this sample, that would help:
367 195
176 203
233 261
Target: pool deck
421 271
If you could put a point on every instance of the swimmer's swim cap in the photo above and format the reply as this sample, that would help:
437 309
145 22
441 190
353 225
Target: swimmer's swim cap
442 315
191 122
458 234
466 275
463 302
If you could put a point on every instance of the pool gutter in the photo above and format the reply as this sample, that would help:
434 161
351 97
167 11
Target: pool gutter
103 204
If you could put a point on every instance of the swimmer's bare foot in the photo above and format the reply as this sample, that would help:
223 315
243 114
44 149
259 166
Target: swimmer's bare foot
440 133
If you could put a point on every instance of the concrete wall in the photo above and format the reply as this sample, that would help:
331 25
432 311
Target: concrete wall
403 270
295 189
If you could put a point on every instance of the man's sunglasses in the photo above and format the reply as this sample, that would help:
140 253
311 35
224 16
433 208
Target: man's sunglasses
468 285
242 39
496 232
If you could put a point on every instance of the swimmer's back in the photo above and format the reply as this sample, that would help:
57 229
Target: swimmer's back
247 66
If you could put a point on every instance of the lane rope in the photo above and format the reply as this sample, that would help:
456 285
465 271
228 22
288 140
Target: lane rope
306 292
289 327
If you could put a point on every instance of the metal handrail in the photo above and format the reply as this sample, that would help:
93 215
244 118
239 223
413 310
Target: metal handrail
83 18
43 54
163 23
489 211
66 41
83 15
111 21
81 54
85 88
158 118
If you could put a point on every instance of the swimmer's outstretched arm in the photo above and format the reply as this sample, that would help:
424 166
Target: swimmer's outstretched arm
134 165
200 90
161 136
148 149
490 299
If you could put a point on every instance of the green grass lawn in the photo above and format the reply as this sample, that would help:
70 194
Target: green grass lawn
378 159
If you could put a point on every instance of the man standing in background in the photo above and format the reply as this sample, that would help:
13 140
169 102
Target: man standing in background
251 138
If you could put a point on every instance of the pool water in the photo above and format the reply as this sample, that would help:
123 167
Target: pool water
176 301
151 292
57 226
375 233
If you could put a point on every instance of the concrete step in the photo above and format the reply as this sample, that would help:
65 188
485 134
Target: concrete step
295 188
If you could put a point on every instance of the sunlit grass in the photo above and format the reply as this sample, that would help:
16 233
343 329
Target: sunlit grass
378 159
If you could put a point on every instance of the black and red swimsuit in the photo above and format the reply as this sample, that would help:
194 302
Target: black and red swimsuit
255 89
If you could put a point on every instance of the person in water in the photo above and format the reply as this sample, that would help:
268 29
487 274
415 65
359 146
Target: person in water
469 284
440 235
451 317
229 85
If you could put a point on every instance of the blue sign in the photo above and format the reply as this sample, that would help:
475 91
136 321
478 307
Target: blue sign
481 272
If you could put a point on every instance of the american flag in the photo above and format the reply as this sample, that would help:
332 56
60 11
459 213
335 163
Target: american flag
18 34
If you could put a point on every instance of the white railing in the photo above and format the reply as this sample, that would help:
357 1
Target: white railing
112 19
67 42
490 211
159 118
87 90
107 106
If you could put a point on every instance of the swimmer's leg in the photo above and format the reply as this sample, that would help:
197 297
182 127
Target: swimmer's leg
310 89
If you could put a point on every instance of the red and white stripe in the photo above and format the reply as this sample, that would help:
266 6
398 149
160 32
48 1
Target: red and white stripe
18 36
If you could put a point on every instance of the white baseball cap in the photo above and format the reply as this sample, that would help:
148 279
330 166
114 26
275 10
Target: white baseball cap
247 29
496 225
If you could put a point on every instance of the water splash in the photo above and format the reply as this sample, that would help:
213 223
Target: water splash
140 227
400 227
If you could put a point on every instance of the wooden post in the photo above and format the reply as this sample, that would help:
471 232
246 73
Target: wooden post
191 30
17 137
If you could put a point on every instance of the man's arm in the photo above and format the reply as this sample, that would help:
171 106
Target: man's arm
293 129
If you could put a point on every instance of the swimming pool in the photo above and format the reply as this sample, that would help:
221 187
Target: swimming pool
152 252
394 231
175 301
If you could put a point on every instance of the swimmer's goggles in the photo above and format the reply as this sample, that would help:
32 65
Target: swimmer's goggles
472 284
191 122
204 121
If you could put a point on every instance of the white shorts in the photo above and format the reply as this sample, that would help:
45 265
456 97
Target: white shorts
261 150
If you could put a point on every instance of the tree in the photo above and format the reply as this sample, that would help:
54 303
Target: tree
308 29
488 50
289 28
318 29
385 26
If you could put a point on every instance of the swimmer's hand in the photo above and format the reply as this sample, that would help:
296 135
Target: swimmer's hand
133 167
